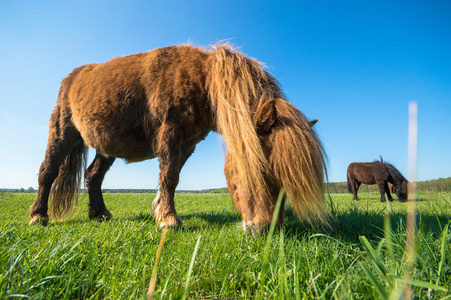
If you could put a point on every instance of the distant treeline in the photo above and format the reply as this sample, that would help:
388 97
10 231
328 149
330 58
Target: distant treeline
32 190
221 190
436 185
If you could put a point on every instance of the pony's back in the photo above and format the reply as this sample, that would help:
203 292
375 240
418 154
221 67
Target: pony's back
118 106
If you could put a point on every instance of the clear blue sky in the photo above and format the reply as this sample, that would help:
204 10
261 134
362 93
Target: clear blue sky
354 65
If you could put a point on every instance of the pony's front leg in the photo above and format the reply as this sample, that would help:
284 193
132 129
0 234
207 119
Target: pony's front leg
239 197
245 207
163 206
169 154
256 210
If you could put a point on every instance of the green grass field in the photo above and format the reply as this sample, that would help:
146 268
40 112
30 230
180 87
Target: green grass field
79 259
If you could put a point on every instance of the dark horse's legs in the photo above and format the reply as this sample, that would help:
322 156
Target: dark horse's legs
63 138
354 184
356 188
94 177
383 188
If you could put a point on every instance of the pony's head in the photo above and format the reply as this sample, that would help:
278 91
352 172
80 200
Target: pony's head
270 143
295 162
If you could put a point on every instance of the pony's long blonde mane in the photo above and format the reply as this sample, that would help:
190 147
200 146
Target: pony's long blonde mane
298 162
237 86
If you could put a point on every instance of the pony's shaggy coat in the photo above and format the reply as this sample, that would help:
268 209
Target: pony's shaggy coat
163 102
380 173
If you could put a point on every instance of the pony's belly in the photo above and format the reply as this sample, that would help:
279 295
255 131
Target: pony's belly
129 147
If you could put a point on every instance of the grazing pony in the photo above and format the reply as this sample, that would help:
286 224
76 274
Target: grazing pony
162 103
378 172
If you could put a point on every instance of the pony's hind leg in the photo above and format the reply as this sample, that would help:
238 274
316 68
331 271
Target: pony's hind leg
94 176
63 140
47 174
169 155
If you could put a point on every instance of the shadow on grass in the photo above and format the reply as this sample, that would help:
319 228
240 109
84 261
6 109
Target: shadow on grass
197 219
214 218
347 225
140 217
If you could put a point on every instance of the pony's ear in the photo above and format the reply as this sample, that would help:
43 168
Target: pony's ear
313 122
266 116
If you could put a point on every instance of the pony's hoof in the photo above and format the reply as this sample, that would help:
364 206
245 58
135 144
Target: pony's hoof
100 217
171 221
254 228
39 220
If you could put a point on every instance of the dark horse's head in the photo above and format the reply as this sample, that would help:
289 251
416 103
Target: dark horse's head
401 191
399 182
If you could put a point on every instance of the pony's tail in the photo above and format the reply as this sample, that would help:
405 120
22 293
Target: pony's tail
65 189
236 85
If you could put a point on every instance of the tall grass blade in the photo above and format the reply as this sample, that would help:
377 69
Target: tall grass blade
297 290
153 279
268 245
20 296
425 285
374 257
282 267
190 270
388 238
332 207
443 251
411 203
163 292
396 289
374 281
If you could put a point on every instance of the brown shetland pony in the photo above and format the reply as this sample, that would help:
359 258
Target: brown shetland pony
385 175
162 103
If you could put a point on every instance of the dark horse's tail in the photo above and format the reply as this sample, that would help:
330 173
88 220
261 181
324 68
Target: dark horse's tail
65 188
349 184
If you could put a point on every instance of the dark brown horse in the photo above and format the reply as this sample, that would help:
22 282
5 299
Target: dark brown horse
380 173
161 104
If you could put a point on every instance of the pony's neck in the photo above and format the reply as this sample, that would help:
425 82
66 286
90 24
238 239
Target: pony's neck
395 177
